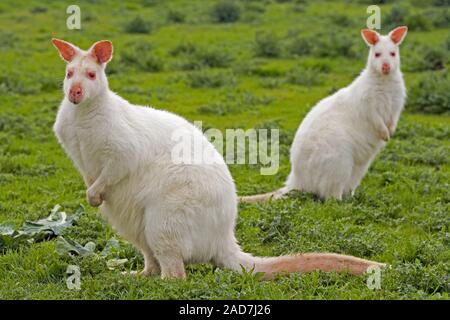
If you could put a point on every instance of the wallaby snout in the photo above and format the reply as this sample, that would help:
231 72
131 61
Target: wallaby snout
76 93
386 68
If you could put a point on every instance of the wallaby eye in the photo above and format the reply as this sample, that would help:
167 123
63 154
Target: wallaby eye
69 74
91 75
392 54
377 54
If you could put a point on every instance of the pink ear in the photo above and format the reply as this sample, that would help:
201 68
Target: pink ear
398 34
66 50
370 36
102 51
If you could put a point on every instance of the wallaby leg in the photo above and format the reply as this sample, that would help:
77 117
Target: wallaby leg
151 266
358 174
332 180
172 265
337 194
162 236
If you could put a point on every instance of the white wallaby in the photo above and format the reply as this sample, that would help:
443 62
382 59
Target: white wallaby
174 213
339 138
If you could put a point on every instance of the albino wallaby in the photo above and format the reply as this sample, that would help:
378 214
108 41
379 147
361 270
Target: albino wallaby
339 138
174 213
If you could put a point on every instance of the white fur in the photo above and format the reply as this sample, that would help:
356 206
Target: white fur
173 213
339 138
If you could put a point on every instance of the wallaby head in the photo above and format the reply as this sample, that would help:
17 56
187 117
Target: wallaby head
384 54
85 71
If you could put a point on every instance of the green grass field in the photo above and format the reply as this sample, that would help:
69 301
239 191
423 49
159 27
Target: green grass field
249 64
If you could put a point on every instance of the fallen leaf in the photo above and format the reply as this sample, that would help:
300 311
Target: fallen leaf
50 227
73 248
115 263
7 234
112 246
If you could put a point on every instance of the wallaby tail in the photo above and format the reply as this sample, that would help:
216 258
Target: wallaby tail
263 196
305 262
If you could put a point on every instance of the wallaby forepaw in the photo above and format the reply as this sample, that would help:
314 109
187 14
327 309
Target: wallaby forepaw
391 127
95 199
384 135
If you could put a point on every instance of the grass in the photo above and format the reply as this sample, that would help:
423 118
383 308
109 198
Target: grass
245 77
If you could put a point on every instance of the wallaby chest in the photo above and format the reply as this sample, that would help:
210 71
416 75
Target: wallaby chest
85 142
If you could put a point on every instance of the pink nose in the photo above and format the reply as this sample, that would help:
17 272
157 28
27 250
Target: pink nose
385 68
75 93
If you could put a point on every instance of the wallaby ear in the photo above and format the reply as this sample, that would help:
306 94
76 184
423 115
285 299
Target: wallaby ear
370 37
398 34
67 51
102 51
